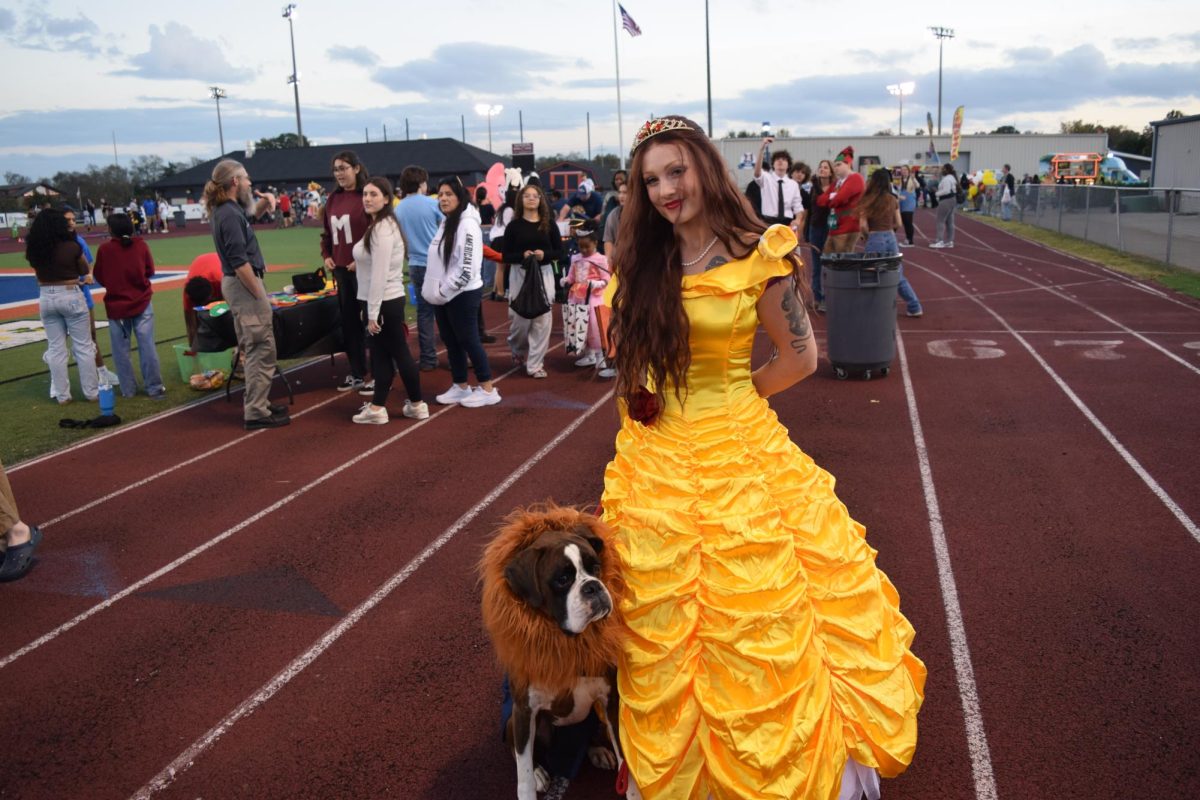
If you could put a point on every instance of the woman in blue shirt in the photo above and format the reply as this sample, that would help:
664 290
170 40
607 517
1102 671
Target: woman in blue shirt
908 203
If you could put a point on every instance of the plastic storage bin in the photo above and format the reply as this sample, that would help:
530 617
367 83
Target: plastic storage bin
194 363
860 311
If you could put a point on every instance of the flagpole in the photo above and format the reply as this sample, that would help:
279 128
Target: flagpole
617 61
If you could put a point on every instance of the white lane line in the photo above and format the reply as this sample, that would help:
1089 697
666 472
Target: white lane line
1061 295
151 478
188 757
977 743
1133 463
165 414
186 557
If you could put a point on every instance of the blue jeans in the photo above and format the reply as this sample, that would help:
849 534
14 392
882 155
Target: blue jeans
816 237
141 327
885 242
65 316
426 324
1006 211
460 331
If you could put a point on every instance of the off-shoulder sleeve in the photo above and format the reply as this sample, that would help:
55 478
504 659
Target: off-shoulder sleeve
768 260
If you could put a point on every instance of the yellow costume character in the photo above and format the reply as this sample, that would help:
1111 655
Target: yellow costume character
766 654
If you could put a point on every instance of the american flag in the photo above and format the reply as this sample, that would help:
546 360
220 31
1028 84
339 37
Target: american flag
627 22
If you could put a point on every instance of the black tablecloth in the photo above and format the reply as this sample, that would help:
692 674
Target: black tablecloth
298 328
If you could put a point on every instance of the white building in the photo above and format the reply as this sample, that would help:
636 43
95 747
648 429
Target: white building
1175 153
987 151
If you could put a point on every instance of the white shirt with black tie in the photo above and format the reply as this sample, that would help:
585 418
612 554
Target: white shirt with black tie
768 183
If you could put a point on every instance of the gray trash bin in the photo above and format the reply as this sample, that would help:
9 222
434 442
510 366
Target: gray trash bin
180 219
860 311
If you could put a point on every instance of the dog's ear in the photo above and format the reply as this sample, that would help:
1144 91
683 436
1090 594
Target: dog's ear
521 575
586 533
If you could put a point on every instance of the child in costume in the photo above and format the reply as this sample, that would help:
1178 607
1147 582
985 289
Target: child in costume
765 655
587 278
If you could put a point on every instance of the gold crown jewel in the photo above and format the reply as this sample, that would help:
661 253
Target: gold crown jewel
656 126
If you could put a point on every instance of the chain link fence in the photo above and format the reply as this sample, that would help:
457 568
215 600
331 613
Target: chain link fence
1162 224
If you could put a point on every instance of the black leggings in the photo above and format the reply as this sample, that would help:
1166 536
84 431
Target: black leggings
353 332
459 326
907 218
389 350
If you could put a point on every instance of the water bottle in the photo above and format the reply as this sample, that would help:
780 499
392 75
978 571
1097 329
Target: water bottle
107 401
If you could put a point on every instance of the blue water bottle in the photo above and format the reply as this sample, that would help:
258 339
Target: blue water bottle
107 401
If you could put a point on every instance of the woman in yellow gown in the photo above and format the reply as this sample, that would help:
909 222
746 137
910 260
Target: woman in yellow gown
766 655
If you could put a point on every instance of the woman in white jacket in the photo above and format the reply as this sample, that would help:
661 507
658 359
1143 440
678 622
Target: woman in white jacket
379 263
454 287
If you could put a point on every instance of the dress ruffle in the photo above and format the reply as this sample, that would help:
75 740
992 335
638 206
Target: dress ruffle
763 646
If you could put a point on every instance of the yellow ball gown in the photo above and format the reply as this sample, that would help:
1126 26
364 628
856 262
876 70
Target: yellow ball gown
764 647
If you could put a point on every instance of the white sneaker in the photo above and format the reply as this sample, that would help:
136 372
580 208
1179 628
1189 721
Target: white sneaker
367 389
589 360
453 395
939 243
906 244
416 410
369 416
480 398
606 373
948 245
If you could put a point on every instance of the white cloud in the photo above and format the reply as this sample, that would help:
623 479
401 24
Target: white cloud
178 54
471 67
353 55
41 30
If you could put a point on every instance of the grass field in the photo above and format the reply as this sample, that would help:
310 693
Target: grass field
29 422
1181 280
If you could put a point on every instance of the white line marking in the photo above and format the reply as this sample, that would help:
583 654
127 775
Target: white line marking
1069 299
186 557
1133 463
977 744
188 757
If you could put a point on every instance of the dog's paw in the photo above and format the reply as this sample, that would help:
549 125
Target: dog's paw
602 757
541 779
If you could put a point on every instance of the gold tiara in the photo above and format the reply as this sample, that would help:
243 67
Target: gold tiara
656 126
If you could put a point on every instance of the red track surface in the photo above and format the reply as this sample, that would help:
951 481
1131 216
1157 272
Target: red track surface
1067 667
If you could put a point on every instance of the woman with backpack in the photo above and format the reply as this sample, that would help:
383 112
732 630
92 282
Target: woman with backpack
947 196
531 246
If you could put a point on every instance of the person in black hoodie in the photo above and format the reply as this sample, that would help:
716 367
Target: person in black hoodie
344 223
532 234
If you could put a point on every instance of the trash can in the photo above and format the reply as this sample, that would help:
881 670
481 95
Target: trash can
180 219
860 311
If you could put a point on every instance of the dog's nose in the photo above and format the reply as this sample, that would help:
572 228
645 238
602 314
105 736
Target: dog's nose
591 589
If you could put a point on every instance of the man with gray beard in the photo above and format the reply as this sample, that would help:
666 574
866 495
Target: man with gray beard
229 199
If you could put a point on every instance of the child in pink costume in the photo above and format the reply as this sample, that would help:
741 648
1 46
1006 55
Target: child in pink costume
587 277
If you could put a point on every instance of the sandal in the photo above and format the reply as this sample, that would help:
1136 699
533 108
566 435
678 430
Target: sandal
18 559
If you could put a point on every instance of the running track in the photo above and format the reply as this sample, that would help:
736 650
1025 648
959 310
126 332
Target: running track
293 613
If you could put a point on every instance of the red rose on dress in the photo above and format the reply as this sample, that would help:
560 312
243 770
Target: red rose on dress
644 406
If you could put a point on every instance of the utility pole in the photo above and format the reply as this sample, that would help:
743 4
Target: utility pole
406 137
216 93
462 118
521 122
589 129
942 34
289 11
708 67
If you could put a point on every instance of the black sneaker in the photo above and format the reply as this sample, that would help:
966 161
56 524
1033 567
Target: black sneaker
267 422
278 410
487 338
349 383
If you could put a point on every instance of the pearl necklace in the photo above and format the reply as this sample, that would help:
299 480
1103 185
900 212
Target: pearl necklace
703 253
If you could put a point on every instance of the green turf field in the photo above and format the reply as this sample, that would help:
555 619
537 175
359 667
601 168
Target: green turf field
29 418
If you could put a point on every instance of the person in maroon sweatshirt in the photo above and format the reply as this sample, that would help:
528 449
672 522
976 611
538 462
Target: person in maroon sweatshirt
124 267
841 201
344 223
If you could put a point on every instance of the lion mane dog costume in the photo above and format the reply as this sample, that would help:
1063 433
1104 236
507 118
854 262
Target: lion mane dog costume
548 598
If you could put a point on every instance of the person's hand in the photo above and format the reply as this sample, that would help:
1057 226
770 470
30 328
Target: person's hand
374 328
89 279
766 141
329 263
350 267
527 254
540 254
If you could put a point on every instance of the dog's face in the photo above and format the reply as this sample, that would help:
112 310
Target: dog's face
559 576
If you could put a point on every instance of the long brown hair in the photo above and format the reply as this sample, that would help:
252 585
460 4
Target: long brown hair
385 214
877 197
544 215
650 326
219 188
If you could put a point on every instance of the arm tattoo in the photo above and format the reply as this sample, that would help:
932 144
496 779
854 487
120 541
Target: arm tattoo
797 319
716 262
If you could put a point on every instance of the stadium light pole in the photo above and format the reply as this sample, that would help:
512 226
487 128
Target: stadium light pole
488 111
216 93
942 35
900 90
289 12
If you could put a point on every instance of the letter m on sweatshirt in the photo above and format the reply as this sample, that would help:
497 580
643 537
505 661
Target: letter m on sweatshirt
340 223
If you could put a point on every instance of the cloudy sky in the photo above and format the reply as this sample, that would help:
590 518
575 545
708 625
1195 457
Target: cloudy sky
78 73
